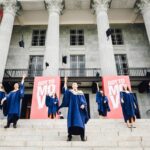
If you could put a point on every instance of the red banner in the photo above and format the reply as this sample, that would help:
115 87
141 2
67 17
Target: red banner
1 14
42 86
112 85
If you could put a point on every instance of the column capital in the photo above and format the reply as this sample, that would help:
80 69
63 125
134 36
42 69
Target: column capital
143 5
10 6
54 5
100 5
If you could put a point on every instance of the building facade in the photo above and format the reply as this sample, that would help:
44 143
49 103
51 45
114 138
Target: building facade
36 32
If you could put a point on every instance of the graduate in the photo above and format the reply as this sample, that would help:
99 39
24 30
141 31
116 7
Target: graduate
2 95
52 104
102 102
77 111
13 103
129 107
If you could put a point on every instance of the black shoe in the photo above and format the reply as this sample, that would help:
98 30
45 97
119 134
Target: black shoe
83 139
69 139
14 126
7 126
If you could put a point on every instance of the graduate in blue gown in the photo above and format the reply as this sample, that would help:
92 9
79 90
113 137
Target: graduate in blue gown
2 95
102 102
77 111
13 103
129 107
52 104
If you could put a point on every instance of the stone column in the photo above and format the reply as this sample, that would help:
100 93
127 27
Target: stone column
106 53
144 6
6 27
52 41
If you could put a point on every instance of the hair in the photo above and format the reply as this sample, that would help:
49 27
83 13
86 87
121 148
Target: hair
56 95
127 88
2 87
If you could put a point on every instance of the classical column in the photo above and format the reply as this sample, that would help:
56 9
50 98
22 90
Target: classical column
144 6
6 27
52 41
106 53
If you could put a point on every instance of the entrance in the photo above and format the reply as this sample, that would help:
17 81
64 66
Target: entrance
26 106
88 104
138 116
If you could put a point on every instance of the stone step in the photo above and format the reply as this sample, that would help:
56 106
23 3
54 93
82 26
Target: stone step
87 144
52 134
73 144
71 148
75 138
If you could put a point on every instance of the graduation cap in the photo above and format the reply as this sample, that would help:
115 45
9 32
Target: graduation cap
108 33
46 64
64 59
97 74
21 42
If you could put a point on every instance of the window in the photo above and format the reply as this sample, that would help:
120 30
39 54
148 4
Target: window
76 37
121 64
117 38
35 66
38 37
77 65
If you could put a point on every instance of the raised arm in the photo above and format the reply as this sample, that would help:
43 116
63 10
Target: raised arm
65 82
21 89
65 85
97 86
23 78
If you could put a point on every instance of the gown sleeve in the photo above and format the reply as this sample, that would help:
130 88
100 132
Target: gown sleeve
66 98
2 96
98 96
134 101
47 101
21 90
107 103
121 97
85 110
83 101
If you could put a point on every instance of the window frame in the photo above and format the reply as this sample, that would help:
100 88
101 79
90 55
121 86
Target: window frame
114 37
39 36
121 70
77 41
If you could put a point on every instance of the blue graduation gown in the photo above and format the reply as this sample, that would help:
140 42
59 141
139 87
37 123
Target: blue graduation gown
50 103
77 117
103 103
2 95
128 107
13 101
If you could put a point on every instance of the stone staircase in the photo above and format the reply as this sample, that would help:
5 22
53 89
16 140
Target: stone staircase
102 134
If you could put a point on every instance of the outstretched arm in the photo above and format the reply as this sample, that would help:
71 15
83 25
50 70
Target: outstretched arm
23 78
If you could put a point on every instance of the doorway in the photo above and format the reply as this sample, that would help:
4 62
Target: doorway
88 103
26 106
